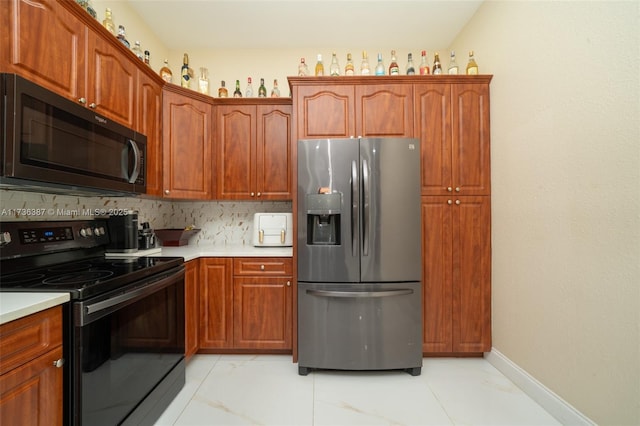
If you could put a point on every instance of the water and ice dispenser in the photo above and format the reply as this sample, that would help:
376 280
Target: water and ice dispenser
323 218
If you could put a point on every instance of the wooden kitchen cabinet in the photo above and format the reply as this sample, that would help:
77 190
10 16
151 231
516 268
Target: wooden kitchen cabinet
254 149
452 122
149 123
216 303
186 144
262 303
31 377
343 107
456 274
59 46
191 308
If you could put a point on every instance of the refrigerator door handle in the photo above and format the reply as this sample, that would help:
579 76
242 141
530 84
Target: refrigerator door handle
354 208
366 208
356 294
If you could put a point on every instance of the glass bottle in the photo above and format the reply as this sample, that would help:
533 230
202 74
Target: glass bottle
138 50
453 65
222 91
472 67
364 66
275 92
185 78
334 68
437 68
147 57
380 66
394 69
248 92
319 66
165 72
303 69
424 64
91 10
237 93
262 90
203 81
411 69
108 21
122 36
349 69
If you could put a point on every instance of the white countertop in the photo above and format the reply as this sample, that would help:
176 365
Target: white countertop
193 252
18 305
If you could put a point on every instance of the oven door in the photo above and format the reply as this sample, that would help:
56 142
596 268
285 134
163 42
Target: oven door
125 344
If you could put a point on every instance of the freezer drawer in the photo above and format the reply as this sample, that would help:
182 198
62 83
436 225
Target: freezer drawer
360 327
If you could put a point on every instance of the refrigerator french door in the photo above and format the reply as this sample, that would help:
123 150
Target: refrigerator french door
359 255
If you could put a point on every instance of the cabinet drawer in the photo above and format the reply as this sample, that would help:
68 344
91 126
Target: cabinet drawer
27 338
262 266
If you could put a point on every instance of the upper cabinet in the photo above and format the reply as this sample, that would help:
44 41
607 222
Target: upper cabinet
253 146
186 143
59 46
452 122
343 107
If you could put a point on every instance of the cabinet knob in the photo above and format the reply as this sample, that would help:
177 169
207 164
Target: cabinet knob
253 194
457 202
82 100
449 189
166 192
259 194
449 202
457 189
58 363
92 105
262 267
288 283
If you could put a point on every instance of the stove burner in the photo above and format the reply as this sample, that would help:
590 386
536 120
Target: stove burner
88 277
23 279
73 267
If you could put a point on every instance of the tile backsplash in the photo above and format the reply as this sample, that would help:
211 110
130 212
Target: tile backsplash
221 222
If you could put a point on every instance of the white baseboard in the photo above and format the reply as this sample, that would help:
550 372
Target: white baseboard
564 412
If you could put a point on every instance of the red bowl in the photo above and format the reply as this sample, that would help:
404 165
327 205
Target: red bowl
175 237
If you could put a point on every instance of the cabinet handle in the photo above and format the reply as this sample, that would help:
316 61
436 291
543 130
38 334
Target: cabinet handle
288 283
457 189
92 105
262 267
449 202
253 194
58 363
166 192
457 202
259 194
449 189
82 100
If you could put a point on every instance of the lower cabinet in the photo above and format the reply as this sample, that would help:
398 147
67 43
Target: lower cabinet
191 308
31 369
245 304
456 274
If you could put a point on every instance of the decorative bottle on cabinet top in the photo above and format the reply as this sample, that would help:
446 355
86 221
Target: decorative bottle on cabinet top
411 69
380 66
165 72
237 93
122 36
222 91
349 69
248 93
138 50
334 68
108 21
364 66
394 69
203 82
275 92
453 65
303 69
472 66
185 78
262 90
424 64
437 68
319 66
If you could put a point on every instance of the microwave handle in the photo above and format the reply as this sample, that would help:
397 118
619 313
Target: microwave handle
136 155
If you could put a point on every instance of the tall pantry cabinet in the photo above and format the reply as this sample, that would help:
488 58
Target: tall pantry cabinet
450 116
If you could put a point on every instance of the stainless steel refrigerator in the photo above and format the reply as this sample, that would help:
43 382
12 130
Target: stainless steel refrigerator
359 255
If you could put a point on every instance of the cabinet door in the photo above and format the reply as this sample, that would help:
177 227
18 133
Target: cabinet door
471 137
186 147
262 312
472 274
192 308
236 143
384 110
216 303
325 111
273 153
32 393
112 79
46 43
437 265
149 123
433 127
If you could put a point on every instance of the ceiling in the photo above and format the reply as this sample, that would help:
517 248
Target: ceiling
260 24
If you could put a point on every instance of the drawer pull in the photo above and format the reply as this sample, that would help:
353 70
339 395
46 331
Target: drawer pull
58 363
262 267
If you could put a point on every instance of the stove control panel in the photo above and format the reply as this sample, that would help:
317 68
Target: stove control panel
45 235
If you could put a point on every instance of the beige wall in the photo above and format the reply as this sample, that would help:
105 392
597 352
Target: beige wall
565 117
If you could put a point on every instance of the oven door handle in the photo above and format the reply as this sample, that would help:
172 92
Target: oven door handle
114 303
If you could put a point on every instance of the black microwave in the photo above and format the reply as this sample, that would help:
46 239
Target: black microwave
51 144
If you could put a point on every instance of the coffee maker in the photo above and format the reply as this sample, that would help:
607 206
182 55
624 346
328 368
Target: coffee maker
123 233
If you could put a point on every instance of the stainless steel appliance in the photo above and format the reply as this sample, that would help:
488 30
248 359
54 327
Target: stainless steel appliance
123 232
146 237
359 255
51 144
123 330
